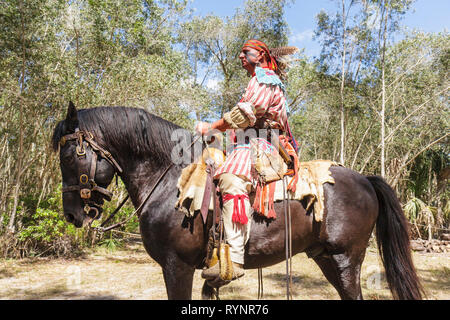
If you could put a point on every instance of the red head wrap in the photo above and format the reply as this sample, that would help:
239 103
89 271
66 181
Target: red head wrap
261 46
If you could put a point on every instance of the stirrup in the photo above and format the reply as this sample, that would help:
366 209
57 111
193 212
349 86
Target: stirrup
211 273
214 273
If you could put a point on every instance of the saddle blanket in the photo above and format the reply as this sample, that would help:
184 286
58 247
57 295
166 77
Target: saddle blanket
192 181
311 177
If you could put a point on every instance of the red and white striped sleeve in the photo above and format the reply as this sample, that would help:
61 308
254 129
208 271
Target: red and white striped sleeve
259 96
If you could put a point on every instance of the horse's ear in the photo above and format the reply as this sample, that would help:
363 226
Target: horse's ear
72 117
71 113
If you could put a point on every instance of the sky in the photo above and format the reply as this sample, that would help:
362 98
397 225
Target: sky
426 15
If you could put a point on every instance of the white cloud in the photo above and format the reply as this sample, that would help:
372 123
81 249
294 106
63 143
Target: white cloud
305 35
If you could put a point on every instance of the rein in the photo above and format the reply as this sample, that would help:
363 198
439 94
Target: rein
102 229
288 241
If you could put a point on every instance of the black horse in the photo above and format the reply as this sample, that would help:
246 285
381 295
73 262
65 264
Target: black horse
142 146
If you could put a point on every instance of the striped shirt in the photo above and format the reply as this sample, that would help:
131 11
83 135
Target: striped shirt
268 101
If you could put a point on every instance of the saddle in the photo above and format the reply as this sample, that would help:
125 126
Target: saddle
197 192
304 181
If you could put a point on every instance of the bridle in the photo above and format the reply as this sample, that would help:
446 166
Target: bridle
86 170
86 175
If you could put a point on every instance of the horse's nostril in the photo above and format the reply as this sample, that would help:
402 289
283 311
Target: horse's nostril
70 217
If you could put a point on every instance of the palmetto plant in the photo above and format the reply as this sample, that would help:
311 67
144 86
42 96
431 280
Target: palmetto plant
421 215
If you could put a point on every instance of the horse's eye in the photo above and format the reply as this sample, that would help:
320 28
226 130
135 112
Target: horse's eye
68 159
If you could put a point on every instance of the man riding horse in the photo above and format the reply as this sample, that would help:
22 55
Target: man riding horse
95 144
263 106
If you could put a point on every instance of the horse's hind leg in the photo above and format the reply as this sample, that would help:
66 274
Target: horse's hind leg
343 273
178 277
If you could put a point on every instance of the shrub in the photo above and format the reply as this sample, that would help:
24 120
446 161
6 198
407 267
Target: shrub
48 233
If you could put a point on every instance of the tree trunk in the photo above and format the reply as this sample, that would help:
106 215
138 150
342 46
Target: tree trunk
342 155
383 95
11 224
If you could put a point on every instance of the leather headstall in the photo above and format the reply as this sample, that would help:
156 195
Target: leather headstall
86 170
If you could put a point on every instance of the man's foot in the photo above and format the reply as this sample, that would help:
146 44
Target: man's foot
214 272
238 271
211 273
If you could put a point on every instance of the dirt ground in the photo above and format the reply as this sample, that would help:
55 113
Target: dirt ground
129 273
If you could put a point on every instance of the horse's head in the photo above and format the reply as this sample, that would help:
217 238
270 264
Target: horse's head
87 169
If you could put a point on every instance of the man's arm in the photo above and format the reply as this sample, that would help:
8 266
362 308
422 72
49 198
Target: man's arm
244 114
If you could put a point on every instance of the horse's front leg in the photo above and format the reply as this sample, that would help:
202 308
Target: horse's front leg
178 277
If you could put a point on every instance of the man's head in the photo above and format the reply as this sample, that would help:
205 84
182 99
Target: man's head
256 53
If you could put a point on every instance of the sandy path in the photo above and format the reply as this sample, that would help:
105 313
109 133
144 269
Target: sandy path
131 274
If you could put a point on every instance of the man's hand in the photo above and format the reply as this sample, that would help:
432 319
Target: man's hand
202 128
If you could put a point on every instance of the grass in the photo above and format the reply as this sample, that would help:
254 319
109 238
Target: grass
129 273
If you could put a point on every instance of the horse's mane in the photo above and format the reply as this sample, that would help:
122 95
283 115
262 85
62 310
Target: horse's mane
133 130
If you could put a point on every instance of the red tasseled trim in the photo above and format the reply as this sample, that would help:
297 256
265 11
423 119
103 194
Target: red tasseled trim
260 199
271 213
265 193
239 214
264 200
257 201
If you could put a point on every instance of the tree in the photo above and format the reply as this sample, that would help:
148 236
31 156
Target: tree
29 29
213 45
93 52
391 12
345 37
412 90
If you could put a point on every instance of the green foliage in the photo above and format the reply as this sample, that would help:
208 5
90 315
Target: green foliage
46 226
416 102
47 233
110 244
428 165
422 216
415 209
213 45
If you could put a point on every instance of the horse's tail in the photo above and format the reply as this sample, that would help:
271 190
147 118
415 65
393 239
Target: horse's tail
394 244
